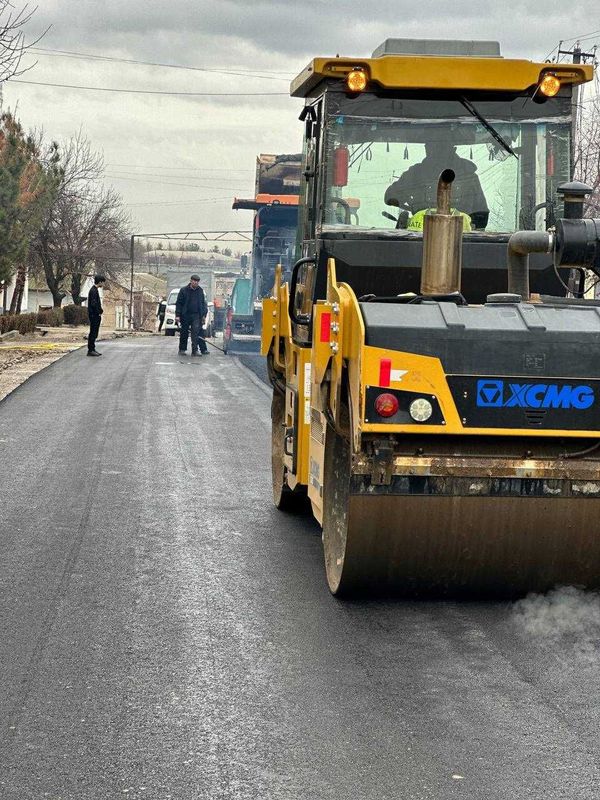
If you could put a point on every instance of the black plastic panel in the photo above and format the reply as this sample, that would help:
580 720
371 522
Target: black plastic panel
402 417
561 342
389 262
515 402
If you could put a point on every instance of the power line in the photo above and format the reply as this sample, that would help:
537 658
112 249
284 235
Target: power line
149 91
94 57
167 183
189 169
183 177
556 47
180 202
577 55
587 38
582 36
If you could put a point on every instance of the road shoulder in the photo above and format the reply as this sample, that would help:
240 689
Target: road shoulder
24 357
20 362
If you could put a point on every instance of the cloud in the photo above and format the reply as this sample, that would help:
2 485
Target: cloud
226 133
314 26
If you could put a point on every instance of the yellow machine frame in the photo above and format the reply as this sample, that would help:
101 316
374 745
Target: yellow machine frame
315 382
460 532
441 73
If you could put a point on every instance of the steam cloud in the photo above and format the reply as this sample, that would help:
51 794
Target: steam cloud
566 618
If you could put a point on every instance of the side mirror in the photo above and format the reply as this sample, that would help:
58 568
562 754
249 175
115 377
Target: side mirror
308 116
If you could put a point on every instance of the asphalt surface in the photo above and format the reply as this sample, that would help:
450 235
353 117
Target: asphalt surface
166 633
256 364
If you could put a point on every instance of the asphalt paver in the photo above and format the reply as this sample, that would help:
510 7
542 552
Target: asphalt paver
165 632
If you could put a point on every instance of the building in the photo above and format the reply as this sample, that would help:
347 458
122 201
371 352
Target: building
6 293
116 301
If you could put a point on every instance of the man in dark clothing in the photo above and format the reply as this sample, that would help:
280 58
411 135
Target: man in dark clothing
416 189
95 314
190 314
160 312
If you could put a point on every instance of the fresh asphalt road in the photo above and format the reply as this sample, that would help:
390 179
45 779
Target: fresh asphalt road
166 633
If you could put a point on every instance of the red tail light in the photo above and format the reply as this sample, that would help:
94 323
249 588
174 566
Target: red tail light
386 404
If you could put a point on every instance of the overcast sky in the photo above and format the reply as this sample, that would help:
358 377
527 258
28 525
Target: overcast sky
179 161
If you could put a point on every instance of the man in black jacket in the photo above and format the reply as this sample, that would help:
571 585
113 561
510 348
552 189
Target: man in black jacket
160 312
95 314
190 314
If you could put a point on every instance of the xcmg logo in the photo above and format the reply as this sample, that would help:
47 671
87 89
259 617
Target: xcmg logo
501 394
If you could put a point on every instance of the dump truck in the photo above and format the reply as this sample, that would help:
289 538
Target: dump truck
435 355
275 206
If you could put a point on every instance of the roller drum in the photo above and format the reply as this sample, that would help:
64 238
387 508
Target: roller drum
474 546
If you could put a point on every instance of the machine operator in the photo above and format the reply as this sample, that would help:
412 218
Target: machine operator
416 189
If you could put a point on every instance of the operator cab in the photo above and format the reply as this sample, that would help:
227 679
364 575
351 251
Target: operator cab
374 150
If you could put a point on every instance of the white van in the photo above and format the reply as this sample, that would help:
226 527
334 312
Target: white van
171 328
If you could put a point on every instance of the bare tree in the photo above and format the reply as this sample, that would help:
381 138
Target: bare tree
586 163
587 152
83 228
13 44
82 167
89 233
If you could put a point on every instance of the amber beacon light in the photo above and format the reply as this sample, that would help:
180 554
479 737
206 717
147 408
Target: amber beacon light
549 85
356 80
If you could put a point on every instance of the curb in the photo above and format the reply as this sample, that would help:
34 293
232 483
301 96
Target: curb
256 381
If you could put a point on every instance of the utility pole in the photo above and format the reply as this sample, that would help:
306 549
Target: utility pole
577 57
132 255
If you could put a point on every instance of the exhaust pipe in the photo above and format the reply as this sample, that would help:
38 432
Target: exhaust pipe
442 243
520 245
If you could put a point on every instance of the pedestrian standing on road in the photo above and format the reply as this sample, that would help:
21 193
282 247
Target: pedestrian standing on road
160 312
190 315
95 314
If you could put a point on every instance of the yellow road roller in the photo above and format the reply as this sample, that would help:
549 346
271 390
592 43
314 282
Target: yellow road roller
435 351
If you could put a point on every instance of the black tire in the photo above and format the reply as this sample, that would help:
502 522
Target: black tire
284 498
169 332
276 378
336 491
